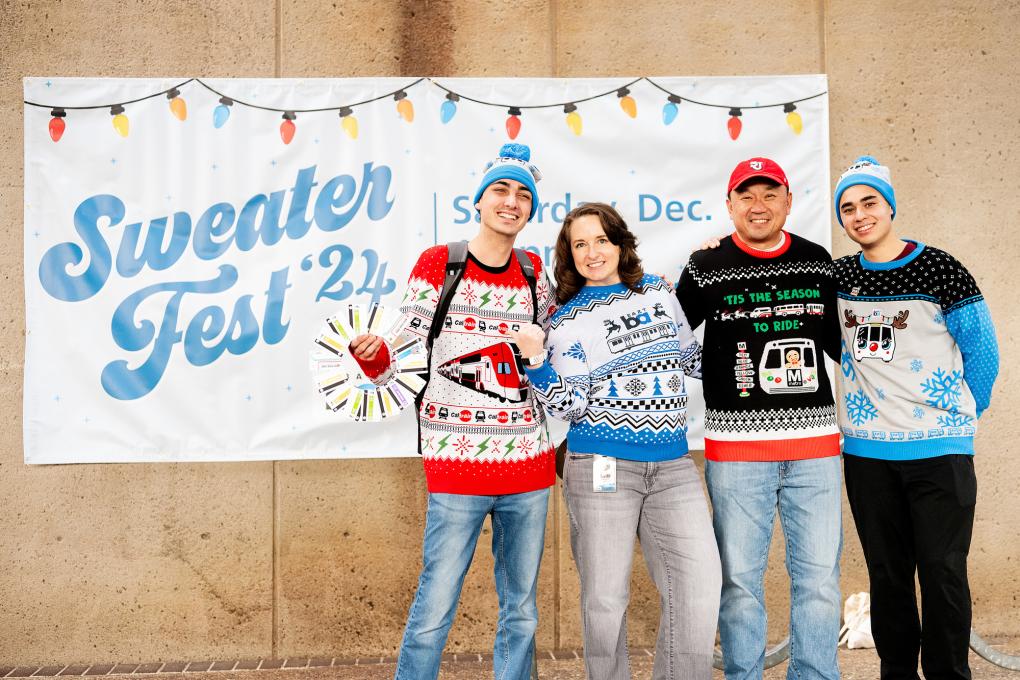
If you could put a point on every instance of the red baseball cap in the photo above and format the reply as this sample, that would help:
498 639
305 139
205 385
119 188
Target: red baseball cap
757 167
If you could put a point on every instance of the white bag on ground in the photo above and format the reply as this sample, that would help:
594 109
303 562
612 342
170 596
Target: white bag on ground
856 630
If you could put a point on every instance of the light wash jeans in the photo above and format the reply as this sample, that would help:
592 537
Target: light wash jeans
664 505
745 496
452 525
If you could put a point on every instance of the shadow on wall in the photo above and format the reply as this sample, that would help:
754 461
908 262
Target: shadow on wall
426 38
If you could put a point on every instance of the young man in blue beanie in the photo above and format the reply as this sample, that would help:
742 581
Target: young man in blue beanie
484 443
919 358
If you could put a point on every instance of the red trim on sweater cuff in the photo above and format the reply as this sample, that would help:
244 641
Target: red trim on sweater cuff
773 450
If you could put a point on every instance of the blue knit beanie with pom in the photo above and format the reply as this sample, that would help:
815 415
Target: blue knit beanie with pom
513 162
868 171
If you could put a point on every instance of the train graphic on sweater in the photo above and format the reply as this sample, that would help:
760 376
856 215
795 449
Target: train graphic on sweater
875 337
496 370
789 366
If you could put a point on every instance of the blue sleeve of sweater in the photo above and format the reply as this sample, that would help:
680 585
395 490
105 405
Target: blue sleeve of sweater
970 324
563 382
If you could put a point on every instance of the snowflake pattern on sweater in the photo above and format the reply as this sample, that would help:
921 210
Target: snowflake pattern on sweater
921 347
480 430
617 361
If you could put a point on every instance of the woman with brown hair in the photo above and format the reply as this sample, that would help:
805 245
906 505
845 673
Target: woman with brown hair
618 350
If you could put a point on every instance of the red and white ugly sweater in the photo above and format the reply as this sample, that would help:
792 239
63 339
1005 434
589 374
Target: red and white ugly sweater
481 431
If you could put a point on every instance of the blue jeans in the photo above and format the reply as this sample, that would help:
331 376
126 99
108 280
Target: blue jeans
452 525
663 504
745 496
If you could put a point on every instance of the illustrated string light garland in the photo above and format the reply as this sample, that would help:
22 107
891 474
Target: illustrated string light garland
733 125
221 114
405 109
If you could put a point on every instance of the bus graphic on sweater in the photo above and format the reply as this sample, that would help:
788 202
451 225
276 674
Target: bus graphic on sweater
788 367
875 337
496 370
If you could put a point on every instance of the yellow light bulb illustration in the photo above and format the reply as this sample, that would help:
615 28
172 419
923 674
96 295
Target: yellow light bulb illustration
574 122
793 118
573 118
350 125
794 121
120 121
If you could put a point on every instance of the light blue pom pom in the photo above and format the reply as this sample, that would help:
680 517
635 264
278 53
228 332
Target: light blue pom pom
519 151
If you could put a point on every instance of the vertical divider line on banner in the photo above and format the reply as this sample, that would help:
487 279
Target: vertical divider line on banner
435 219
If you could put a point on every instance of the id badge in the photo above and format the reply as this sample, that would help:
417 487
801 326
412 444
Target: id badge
603 474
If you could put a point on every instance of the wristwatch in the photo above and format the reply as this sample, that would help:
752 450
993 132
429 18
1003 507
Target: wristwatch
535 361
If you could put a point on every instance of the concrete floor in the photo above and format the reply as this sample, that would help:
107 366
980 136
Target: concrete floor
855 665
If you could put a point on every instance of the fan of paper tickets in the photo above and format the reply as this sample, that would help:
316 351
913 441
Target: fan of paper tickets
342 382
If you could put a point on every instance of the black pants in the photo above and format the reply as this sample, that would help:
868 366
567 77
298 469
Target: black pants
916 515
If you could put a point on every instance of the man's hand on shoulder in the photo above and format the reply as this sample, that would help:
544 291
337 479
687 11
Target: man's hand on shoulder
711 243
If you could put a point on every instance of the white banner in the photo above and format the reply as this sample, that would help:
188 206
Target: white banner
185 240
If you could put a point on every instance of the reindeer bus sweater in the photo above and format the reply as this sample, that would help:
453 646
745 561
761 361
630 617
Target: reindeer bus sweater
480 430
769 317
919 355
617 360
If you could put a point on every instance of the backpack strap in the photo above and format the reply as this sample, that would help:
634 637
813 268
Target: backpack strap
456 261
528 268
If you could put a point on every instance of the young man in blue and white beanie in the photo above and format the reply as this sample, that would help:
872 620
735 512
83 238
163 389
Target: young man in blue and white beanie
919 358
484 442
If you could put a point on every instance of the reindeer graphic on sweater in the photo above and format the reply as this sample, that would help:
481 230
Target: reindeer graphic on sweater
876 333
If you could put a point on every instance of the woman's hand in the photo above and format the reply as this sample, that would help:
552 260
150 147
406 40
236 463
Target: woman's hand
530 340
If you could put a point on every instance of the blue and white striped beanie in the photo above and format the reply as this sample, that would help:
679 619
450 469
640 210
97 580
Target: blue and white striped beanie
513 162
868 171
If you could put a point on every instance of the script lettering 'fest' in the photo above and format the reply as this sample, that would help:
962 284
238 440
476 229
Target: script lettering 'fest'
219 229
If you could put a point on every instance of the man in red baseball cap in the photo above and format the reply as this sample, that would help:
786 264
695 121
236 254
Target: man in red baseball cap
768 303
758 199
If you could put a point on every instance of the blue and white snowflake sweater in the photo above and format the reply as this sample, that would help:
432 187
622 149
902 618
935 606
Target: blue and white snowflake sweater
617 360
919 355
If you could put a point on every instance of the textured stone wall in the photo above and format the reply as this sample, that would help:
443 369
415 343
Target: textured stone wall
149 562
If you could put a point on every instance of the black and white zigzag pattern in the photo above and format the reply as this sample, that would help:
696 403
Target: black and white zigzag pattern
758 271
573 311
770 420
668 347
659 366
655 422
655 283
555 393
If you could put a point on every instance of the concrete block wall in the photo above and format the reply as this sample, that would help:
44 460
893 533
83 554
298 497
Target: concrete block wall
320 558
